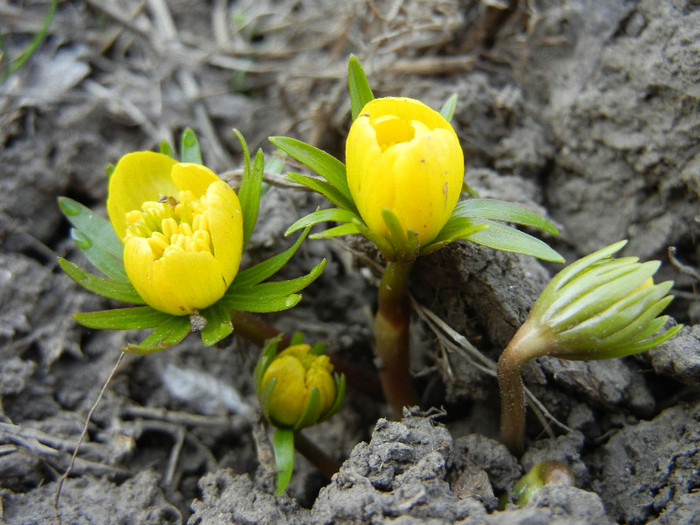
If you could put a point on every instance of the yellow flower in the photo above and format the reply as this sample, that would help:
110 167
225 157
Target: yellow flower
298 371
182 230
402 155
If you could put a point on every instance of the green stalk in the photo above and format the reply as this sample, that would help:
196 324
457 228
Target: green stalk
254 329
391 337
529 342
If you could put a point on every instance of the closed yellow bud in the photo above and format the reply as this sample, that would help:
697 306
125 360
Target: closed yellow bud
182 230
404 156
298 371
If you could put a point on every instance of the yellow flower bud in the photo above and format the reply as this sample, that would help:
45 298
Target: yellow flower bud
182 230
406 157
298 371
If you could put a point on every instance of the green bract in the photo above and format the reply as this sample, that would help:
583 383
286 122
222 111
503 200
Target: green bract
599 307
96 237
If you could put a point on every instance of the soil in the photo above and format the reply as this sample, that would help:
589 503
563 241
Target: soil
586 111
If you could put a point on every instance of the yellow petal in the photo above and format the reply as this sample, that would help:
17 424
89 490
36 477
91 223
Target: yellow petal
290 395
138 177
193 177
178 283
225 227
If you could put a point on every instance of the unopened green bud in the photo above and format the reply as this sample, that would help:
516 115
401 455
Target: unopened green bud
598 308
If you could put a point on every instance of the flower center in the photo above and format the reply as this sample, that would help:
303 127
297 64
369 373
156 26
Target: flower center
391 130
172 224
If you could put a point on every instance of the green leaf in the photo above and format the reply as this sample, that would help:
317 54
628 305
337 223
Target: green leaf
98 229
576 267
189 147
325 189
318 216
249 192
136 318
101 259
360 91
326 165
507 239
604 295
337 231
218 325
492 209
312 410
119 290
271 297
261 271
262 303
165 149
267 354
449 107
283 444
456 228
340 386
167 334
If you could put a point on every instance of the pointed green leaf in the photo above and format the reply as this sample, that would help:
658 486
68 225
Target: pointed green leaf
360 91
325 189
119 290
449 107
249 192
98 229
100 258
492 209
284 457
167 334
265 396
318 216
624 350
576 267
340 386
269 297
189 147
263 303
136 318
267 354
507 239
312 410
297 339
218 325
326 165
261 271
337 231
455 229
603 296
165 149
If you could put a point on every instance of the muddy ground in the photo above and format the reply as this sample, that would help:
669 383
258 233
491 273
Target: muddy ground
587 111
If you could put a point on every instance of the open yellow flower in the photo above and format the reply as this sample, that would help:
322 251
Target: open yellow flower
182 230
402 155
298 371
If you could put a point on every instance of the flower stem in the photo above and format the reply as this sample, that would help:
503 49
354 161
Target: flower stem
391 336
529 342
254 329
322 461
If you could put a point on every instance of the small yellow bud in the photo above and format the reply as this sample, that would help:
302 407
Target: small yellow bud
298 371
182 230
406 157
